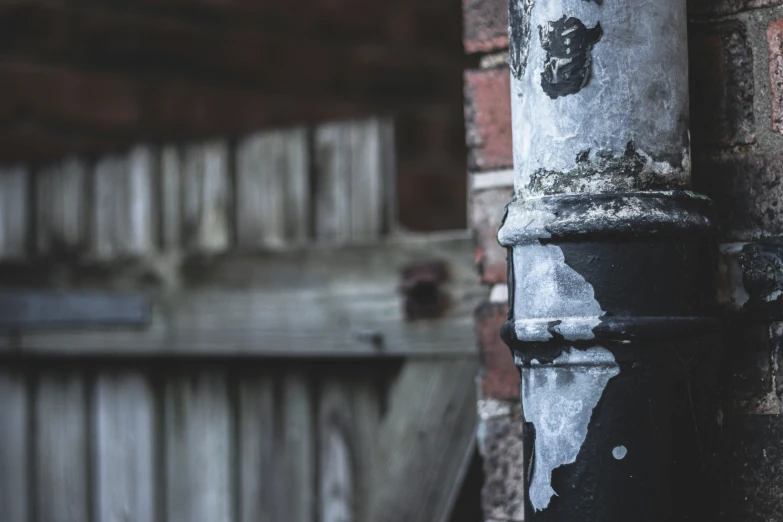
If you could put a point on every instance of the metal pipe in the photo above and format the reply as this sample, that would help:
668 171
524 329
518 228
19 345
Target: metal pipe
608 317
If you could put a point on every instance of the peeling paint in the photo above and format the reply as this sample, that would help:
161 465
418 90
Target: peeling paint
551 298
559 399
602 172
619 452
568 44
637 84
519 35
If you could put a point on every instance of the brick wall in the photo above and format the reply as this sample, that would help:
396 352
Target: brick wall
736 55
736 78
84 77
488 136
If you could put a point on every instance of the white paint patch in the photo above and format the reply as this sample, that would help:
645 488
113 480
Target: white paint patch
492 180
490 408
559 398
619 452
547 290
499 294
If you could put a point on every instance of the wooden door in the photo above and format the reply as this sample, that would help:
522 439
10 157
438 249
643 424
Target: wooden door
250 353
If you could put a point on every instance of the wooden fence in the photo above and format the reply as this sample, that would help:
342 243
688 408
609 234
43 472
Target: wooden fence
276 377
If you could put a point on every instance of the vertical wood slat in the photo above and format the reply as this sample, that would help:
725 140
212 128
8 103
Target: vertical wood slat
337 478
348 417
332 184
61 203
13 447
123 220
198 449
273 192
14 222
257 449
295 470
352 180
61 448
367 180
123 409
206 193
171 197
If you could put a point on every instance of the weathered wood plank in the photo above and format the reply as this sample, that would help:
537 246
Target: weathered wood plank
365 392
13 447
61 202
343 449
257 449
198 449
353 174
123 423
333 182
336 301
295 470
171 197
123 219
273 190
336 473
368 205
206 198
426 436
61 449
32 310
14 222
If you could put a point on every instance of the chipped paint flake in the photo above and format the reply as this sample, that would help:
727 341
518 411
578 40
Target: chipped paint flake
559 399
550 297
619 452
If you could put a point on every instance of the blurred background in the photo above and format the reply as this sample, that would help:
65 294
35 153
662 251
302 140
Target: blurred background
236 282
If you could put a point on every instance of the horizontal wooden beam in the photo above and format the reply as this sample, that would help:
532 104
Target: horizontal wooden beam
315 302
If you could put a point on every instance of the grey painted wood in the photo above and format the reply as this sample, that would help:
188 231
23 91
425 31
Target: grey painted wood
123 218
107 176
273 190
61 205
14 221
425 436
331 301
198 449
336 473
348 416
14 439
61 448
171 197
206 198
42 310
366 396
295 470
123 451
257 449
353 180
333 182
368 205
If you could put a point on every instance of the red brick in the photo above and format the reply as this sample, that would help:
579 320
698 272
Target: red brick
485 25
498 377
721 84
488 119
775 43
486 213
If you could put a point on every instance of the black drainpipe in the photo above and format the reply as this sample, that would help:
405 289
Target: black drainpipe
608 254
